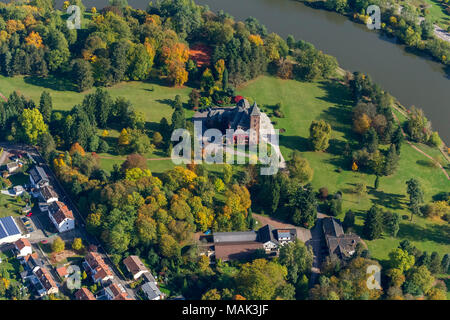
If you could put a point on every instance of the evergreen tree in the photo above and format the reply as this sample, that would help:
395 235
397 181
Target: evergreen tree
46 106
415 196
392 223
397 139
82 75
371 140
391 161
445 263
435 263
373 224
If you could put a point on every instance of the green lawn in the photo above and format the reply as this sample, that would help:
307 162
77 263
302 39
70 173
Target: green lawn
438 14
150 98
9 206
304 102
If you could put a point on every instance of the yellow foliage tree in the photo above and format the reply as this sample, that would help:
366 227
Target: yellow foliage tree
354 166
94 10
34 39
220 68
256 39
124 138
361 124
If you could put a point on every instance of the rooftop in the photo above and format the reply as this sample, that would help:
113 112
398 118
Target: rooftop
8 227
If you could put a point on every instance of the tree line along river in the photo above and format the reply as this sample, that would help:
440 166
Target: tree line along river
413 80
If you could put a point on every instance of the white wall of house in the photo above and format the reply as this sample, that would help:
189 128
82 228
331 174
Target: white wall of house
11 239
25 251
65 225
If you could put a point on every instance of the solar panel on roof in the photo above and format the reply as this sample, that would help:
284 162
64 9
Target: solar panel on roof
3 233
10 226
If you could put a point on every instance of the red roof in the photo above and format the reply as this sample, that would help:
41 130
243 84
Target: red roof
238 98
62 271
84 294
22 243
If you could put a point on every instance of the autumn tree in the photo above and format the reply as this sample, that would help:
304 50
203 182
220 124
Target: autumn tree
260 279
77 244
31 125
319 135
361 124
58 245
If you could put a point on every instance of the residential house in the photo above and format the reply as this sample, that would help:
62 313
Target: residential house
135 266
46 280
18 190
84 294
242 244
38 177
338 243
23 246
96 267
115 291
13 166
61 216
151 291
62 272
48 194
9 231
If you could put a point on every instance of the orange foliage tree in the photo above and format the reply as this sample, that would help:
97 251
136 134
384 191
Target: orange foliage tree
175 58
34 39
77 148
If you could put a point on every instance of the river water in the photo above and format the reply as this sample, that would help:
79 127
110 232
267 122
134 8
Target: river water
413 80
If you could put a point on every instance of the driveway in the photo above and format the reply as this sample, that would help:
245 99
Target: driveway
312 238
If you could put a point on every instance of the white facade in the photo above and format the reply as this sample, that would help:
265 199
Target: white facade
11 238
65 225
25 251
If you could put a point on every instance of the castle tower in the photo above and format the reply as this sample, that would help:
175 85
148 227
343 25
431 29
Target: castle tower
255 120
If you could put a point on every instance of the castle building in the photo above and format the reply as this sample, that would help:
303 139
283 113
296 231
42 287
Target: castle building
239 118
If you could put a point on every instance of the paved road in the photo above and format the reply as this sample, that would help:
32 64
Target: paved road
80 221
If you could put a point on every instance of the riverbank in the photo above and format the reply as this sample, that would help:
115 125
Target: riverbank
397 25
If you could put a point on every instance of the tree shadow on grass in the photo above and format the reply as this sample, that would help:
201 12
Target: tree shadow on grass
435 233
51 82
295 143
388 200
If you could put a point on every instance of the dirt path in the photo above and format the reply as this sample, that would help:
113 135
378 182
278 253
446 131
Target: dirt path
416 148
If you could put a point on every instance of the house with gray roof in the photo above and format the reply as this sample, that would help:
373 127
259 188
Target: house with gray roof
338 243
38 177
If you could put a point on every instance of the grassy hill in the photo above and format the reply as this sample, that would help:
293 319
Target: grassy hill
301 103
304 102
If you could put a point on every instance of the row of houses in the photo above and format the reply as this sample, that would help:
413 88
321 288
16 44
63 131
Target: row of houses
58 212
34 270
